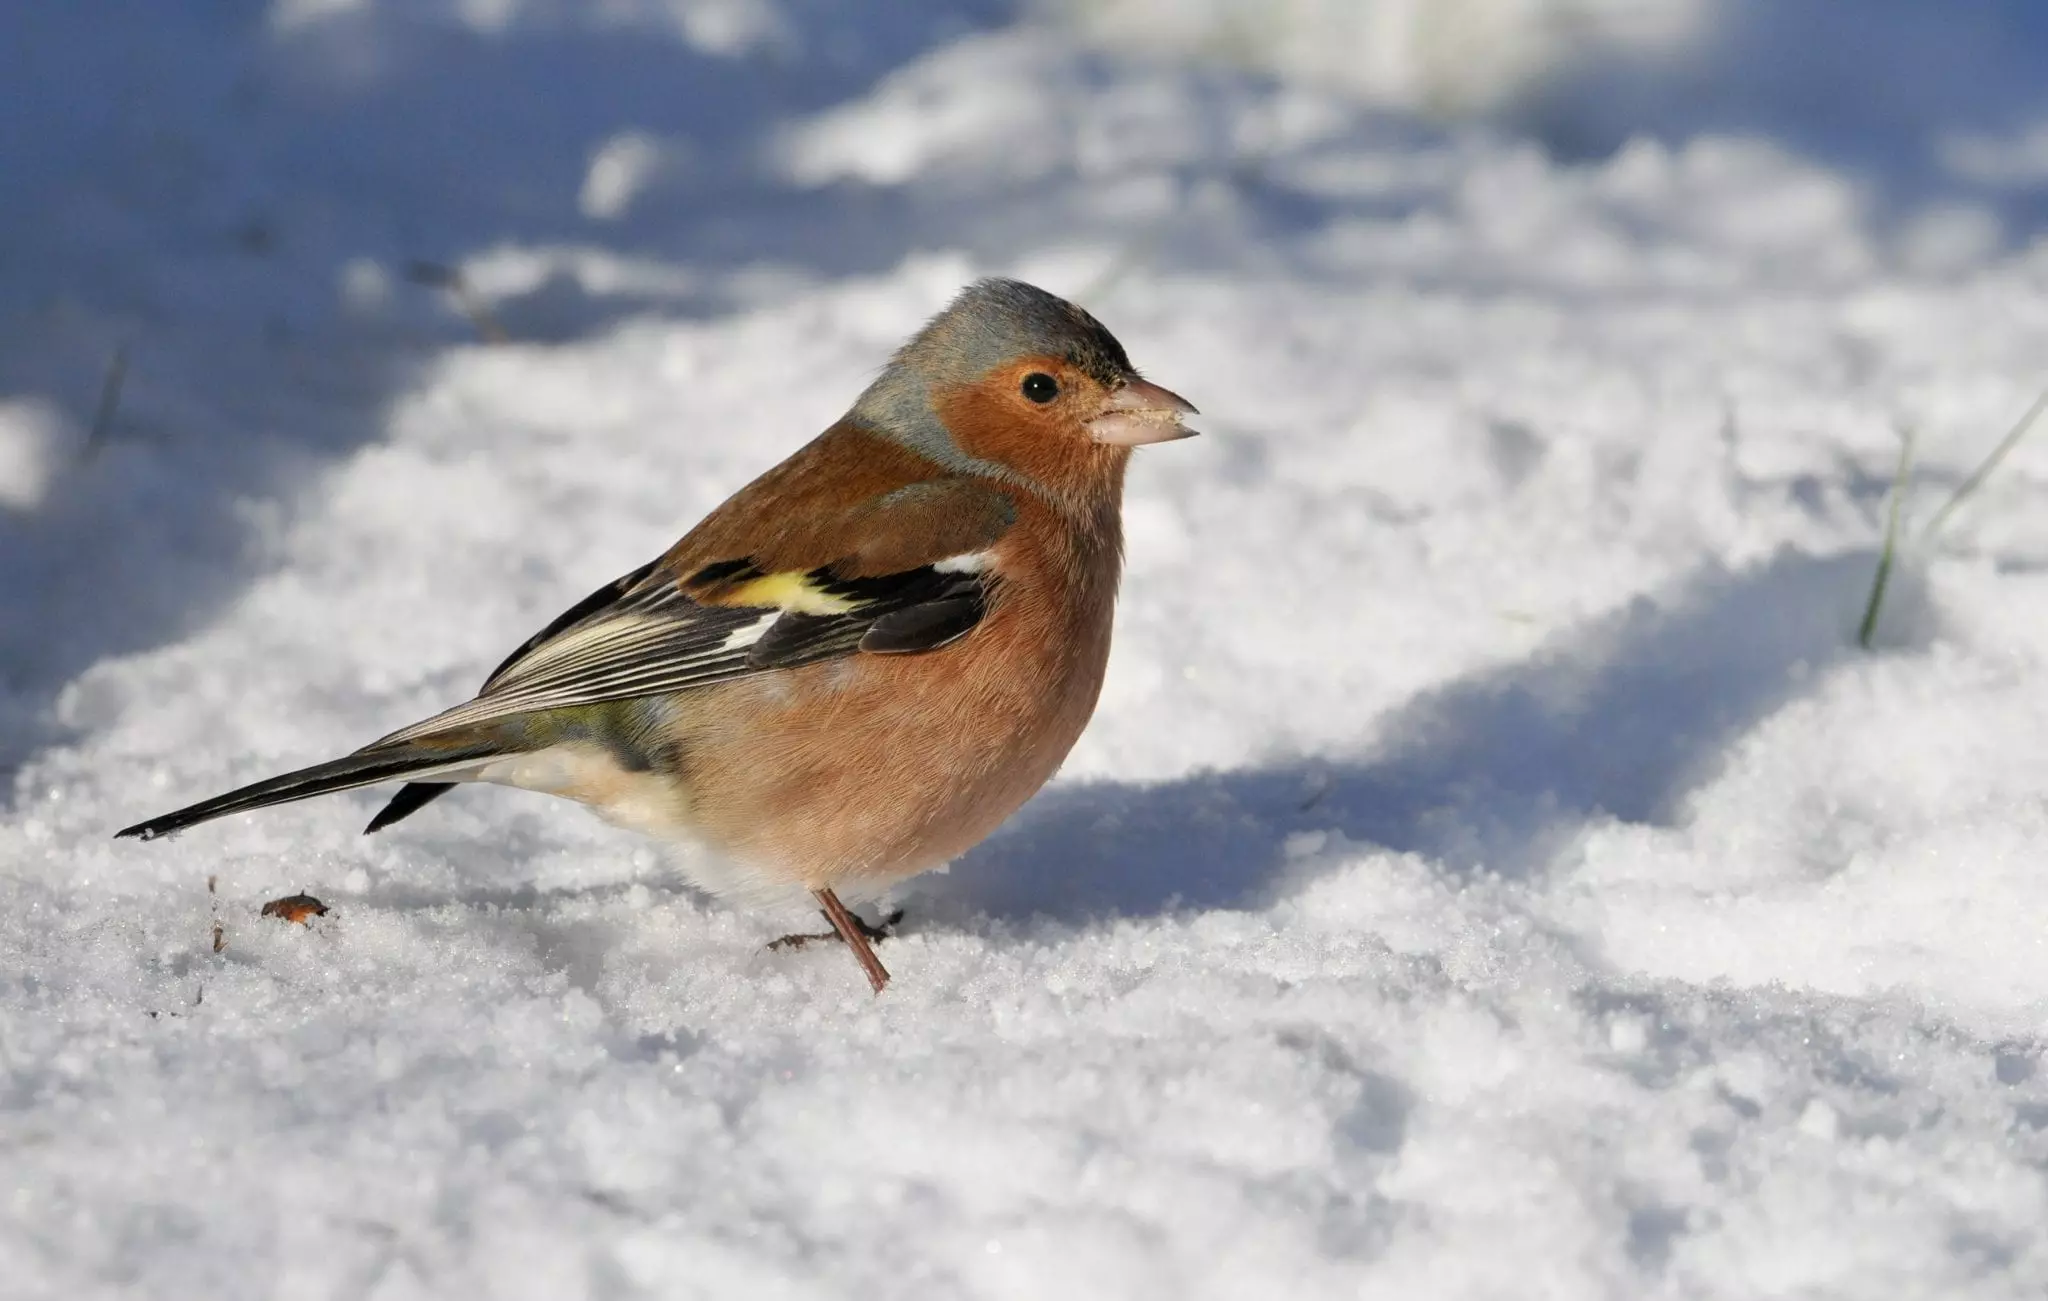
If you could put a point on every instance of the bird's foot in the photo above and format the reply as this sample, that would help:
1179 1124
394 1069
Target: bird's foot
873 934
855 933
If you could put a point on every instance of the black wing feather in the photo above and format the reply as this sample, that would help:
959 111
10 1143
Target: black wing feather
603 597
411 798
924 627
919 609
644 635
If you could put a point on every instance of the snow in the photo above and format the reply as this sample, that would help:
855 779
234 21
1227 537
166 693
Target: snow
1493 869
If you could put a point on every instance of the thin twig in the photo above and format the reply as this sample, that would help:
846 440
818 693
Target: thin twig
1983 471
1900 482
110 402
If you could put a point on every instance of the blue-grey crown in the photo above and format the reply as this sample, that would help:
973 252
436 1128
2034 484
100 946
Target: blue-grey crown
991 323
995 321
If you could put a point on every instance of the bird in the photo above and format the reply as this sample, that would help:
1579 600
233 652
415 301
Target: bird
856 667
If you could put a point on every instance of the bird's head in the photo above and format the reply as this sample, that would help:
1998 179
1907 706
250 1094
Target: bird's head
1013 378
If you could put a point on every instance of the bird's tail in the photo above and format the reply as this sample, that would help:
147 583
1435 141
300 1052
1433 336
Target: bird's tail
428 757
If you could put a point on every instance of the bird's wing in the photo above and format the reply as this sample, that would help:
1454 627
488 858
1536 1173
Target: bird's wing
818 575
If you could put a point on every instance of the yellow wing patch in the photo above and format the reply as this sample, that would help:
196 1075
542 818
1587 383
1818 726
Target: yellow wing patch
795 592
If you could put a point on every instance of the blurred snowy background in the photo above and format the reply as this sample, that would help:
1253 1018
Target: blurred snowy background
1493 869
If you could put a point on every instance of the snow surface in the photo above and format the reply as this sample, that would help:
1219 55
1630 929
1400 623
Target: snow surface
1492 871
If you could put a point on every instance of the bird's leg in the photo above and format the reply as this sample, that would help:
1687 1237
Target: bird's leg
848 928
853 931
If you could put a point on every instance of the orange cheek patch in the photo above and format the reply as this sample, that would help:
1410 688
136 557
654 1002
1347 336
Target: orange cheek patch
987 424
1046 446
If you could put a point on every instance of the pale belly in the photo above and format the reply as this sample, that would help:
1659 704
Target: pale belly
649 802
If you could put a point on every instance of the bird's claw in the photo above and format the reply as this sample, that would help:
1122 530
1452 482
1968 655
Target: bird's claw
873 934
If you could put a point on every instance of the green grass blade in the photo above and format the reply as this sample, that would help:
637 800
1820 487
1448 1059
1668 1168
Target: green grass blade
1900 482
1977 476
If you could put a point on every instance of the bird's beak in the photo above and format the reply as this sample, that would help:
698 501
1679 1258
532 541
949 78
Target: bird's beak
1138 413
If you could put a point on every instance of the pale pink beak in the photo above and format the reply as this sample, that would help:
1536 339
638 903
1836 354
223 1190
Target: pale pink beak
1139 413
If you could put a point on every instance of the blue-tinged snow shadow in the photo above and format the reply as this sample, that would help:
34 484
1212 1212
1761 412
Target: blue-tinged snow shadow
1923 104
1488 774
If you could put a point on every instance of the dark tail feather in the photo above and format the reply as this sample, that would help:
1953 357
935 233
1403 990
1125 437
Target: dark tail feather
411 798
363 768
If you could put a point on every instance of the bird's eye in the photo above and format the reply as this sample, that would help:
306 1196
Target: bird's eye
1041 387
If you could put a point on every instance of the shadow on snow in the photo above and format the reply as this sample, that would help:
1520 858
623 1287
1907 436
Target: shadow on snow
1488 774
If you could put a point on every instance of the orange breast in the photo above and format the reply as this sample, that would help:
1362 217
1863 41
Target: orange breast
865 770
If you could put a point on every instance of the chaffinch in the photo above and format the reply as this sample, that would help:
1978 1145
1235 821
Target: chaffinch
861 663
